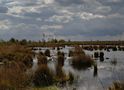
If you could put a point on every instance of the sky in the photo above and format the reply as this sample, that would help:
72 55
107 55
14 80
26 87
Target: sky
62 19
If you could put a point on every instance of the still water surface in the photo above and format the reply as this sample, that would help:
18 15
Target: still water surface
107 73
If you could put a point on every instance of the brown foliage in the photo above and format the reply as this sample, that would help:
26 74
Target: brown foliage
13 77
42 59
117 86
15 52
43 76
80 59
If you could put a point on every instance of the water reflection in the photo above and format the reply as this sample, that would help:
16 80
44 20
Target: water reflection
98 77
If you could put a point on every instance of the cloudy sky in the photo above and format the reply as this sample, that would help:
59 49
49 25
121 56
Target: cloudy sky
63 19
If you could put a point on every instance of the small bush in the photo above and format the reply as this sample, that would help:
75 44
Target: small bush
95 47
47 52
78 50
60 75
60 60
28 61
80 60
71 78
41 53
96 54
42 59
101 56
114 48
43 76
71 53
59 53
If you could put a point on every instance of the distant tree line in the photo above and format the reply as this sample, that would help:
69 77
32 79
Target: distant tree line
60 42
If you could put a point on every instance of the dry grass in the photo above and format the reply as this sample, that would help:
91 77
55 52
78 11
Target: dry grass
42 59
81 60
15 52
43 76
117 86
12 77
17 59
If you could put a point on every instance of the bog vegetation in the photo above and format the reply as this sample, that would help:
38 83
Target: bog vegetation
16 59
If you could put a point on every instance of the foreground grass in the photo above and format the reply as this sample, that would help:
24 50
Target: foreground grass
46 88
117 86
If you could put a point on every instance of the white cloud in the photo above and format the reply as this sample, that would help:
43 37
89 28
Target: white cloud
4 24
48 1
27 6
113 0
46 27
60 18
21 9
14 3
88 16
65 12
103 9
115 15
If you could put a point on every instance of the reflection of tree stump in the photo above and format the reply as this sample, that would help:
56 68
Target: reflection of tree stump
95 70
101 59
114 62
74 88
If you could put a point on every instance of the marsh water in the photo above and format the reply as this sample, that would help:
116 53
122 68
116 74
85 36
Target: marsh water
84 79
